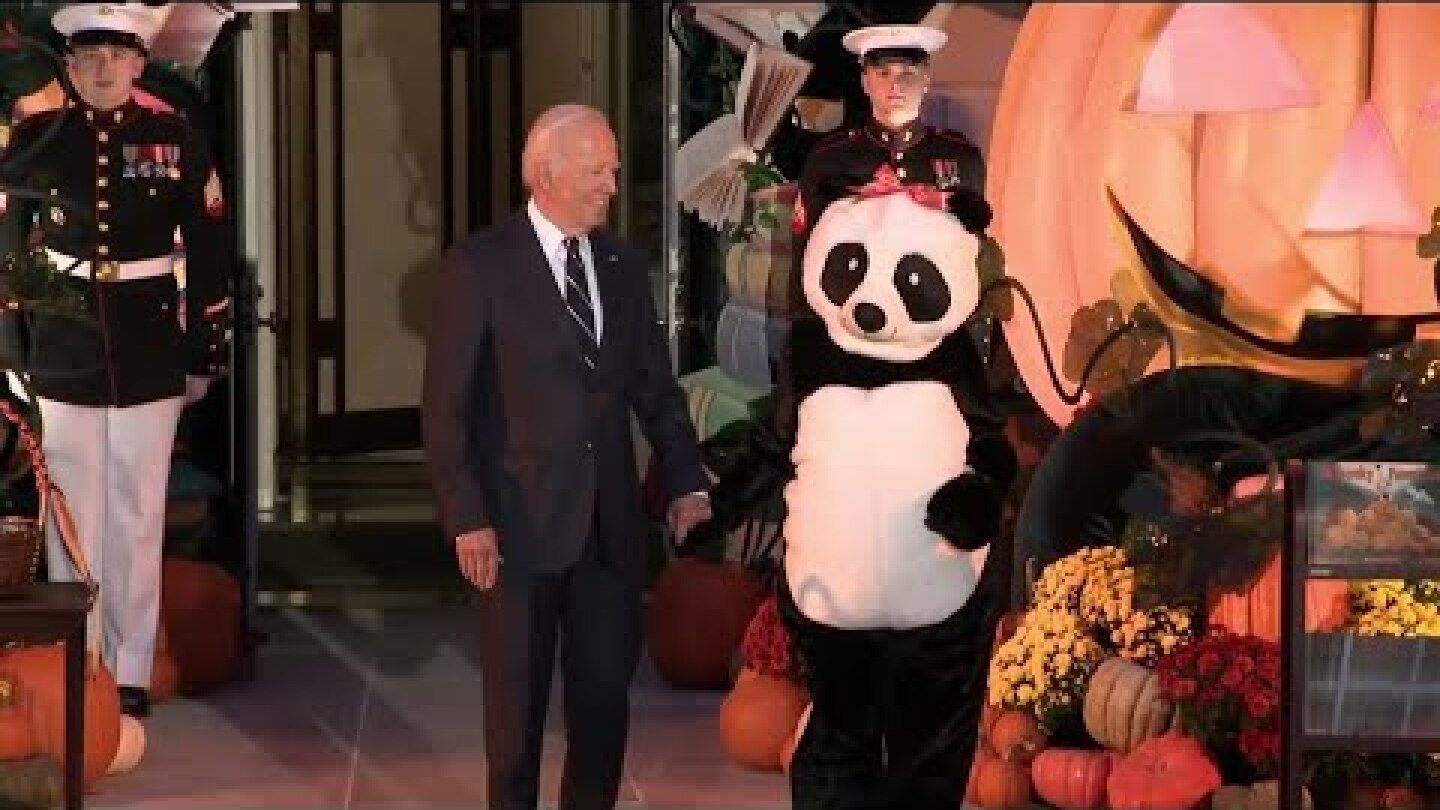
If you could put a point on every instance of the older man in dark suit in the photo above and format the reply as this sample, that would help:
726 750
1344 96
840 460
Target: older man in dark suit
545 340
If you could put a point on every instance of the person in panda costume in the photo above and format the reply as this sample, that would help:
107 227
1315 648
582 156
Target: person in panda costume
893 511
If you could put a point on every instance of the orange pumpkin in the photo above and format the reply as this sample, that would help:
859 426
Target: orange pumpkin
1015 736
697 615
758 719
1169 772
998 784
1072 778
1256 611
201 607
1284 153
40 673
16 739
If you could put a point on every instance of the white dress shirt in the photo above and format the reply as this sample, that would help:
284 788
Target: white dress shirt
552 241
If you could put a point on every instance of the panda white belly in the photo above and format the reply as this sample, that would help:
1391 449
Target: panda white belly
858 554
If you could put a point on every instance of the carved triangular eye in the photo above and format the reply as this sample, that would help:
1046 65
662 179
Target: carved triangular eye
1219 57
1366 188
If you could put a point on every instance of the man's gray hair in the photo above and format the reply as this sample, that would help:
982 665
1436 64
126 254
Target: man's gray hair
541 145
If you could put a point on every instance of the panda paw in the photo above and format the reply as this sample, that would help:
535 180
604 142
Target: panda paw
965 511
971 209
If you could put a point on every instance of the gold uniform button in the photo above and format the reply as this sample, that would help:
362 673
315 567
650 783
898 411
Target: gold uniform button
104 226
105 271
900 172
102 182
102 250
899 155
102 137
103 205
103 160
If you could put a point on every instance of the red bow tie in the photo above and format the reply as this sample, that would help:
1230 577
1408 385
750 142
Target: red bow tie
887 182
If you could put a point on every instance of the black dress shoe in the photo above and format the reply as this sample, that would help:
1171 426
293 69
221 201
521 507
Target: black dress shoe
134 701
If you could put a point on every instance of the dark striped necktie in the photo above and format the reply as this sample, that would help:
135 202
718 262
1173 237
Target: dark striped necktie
577 300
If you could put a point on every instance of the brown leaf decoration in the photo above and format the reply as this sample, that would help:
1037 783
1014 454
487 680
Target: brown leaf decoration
1123 361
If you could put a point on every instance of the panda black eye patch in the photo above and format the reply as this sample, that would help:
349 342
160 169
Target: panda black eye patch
922 289
845 269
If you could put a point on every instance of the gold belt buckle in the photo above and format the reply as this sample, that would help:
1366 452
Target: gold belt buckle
107 270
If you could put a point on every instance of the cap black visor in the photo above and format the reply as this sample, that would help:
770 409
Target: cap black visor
879 56
102 36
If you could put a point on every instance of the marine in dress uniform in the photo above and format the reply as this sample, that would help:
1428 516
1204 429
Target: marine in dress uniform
895 65
111 391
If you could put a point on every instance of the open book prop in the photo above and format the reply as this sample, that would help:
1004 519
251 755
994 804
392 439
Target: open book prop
741 24
710 168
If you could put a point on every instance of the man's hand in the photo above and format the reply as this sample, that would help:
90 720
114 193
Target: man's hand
686 512
478 553
195 388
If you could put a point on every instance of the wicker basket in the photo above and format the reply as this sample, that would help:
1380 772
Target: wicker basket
20 542
21 538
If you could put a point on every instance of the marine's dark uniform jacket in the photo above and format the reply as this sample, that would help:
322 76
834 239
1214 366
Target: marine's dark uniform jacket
136 176
847 160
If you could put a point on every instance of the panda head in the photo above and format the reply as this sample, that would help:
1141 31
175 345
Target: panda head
892 277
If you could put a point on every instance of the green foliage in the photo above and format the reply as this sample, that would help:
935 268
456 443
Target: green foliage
25 68
1403 383
36 284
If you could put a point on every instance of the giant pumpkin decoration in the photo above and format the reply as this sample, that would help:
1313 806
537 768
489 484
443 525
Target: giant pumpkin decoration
1255 174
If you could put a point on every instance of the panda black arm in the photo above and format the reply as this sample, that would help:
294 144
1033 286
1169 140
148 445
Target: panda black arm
966 510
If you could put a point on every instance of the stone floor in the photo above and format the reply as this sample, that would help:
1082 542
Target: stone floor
366 690
380 708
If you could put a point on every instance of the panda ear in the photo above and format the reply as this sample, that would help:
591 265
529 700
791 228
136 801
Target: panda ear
971 209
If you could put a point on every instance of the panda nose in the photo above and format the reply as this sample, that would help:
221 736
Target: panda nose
869 317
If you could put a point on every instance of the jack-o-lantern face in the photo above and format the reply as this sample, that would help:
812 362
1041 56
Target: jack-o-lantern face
1256 174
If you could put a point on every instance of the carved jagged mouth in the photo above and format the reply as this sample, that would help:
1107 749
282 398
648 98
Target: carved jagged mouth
1323 335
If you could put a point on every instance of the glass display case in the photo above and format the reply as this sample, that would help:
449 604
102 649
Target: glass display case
1346 691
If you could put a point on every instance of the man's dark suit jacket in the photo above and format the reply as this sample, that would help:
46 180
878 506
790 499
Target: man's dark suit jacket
519 434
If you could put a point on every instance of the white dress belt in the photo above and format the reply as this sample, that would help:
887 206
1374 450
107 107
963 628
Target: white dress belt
111 270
